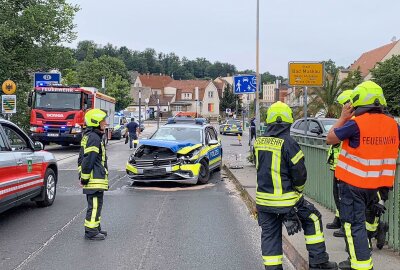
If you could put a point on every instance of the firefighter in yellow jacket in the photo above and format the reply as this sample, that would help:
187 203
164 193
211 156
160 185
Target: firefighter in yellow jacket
281 176
92 166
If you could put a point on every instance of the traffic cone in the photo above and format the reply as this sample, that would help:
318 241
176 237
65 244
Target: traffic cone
240 139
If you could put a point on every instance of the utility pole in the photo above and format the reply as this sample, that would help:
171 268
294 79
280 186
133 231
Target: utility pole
140 106
103 84
196 97
158 112
257 99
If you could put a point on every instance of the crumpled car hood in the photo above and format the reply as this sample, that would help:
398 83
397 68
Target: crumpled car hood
172 145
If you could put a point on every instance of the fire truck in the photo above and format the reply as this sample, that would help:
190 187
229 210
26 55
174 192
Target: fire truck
57 114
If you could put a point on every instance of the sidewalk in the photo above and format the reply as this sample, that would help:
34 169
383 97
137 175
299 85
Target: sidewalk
294 246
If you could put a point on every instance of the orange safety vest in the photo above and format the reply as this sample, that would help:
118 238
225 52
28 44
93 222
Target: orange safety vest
373 163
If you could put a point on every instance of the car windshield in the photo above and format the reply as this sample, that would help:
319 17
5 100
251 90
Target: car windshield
328 123
234 122
58 101
180 134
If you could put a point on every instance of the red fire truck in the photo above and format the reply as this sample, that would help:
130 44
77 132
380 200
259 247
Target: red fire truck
57 114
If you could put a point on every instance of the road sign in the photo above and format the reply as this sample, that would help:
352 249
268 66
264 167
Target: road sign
244 84
306 74
46 79
8 104
9 87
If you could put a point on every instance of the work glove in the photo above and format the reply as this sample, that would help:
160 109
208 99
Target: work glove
84 182
292 222
379 208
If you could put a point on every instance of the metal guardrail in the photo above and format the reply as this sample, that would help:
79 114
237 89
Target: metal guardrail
319 184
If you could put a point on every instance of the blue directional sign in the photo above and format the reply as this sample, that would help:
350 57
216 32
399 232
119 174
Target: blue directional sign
43 79
244 84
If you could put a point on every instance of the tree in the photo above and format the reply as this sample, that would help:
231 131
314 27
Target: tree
387 75
228 100
119 88
31 32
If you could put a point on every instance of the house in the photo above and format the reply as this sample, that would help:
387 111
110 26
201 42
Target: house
199 96
151 88
368 60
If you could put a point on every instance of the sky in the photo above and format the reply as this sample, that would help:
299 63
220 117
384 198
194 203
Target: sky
225 30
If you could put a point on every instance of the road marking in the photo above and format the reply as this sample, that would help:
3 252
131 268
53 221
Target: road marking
175 188
151 232
45 244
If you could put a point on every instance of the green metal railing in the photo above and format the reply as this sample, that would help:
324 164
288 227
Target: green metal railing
319 185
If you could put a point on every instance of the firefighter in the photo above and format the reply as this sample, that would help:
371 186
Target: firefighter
281 176
374 227
333 154
366 163
92 165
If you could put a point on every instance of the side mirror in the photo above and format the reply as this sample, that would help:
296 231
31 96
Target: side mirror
316 130
89 104
30 99
213 142
38 146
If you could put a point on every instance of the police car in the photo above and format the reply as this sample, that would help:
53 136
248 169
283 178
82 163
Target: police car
185 150
26 172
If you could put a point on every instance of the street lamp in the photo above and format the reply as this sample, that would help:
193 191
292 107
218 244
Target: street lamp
140 106
257 105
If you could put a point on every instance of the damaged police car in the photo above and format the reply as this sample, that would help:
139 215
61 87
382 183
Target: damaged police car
183 150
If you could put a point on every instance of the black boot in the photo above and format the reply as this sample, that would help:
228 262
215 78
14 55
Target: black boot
325 265
96 237
102 232
339 233
334 225
345 265
383 228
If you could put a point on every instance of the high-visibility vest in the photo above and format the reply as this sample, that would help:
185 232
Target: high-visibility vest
373 163
333 155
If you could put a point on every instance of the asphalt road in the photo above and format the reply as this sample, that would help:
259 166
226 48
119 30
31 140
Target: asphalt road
151 226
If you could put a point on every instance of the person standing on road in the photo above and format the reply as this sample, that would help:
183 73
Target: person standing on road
367 163
252 128
133 130
93 172
281 176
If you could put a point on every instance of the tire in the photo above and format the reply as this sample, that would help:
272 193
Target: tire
49 189
204 173
241 134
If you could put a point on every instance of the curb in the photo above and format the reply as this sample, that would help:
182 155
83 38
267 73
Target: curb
291 253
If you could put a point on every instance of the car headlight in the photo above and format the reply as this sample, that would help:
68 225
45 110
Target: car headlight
76 129
34 129
131 159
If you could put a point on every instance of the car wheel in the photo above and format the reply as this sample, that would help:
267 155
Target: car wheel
204 173
49 189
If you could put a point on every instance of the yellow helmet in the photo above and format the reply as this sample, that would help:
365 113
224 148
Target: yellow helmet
368 93
344 97
279 112
94 117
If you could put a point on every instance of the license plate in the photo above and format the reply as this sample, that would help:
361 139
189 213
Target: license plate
53 134
154 172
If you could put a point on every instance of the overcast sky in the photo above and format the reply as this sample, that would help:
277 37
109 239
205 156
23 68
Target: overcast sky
225 30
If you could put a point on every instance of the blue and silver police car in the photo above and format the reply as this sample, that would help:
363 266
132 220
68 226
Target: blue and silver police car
184 150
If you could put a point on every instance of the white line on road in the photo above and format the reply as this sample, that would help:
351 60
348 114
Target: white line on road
152 234
45 244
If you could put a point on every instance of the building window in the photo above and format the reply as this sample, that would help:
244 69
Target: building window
210 107
178 108
186 96
210 94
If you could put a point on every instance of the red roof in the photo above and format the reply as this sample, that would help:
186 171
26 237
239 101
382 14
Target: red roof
368 60
188 86
155 81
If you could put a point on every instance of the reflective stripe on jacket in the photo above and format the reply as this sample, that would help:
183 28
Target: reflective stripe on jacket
92 162
333 155
281 173
373 163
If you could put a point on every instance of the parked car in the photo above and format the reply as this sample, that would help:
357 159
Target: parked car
26 171
184 150
119 131
316 127
231 126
